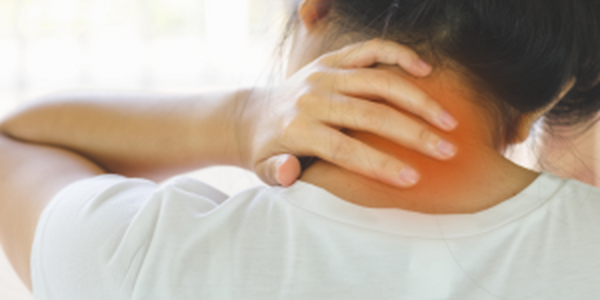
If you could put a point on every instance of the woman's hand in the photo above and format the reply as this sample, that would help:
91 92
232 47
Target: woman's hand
305 116
158 136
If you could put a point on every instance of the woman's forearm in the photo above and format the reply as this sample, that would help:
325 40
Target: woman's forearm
149 135
266 130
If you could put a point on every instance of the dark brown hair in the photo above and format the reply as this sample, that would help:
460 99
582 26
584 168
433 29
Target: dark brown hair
521 52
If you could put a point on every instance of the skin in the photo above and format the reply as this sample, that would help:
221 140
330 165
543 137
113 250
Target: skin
479 177
64 138
48 170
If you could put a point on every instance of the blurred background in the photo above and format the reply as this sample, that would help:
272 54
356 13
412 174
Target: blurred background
168 45
173 46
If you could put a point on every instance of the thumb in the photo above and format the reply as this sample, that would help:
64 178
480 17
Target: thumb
281 170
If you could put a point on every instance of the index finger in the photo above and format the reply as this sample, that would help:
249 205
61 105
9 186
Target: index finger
367 54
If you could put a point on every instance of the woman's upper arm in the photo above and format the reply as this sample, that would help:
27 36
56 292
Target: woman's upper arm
70 233
30 176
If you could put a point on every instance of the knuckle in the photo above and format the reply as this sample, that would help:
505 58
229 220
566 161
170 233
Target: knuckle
379 165
293 135
425 136
373 116
405 52
325 59
294 127
305 101
368 115
430 107
383 163
317 76
379 76
339 79
384 167
384 80
375 43
343 151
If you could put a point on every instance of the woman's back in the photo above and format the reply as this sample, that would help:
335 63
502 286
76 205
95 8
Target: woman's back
185 240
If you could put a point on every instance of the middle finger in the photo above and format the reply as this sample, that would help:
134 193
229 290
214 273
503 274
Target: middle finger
384 121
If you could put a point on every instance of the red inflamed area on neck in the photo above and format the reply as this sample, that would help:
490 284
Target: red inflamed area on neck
472 137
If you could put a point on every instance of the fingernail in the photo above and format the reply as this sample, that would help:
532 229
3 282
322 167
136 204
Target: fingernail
425 67
283 178
446 148
448 121
409 177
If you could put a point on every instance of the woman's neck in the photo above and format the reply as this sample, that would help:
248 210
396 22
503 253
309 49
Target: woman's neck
470 183
477 178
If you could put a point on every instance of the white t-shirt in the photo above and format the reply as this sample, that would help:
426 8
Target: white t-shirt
112 237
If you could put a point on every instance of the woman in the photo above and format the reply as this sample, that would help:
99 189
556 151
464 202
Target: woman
449 218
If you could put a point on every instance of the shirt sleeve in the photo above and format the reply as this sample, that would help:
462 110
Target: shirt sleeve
92 239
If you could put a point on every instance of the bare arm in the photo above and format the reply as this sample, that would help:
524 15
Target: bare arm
30 176
138 135
157 136
63 138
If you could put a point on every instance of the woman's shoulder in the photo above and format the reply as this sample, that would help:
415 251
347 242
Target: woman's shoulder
192 193
572 188
573 200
